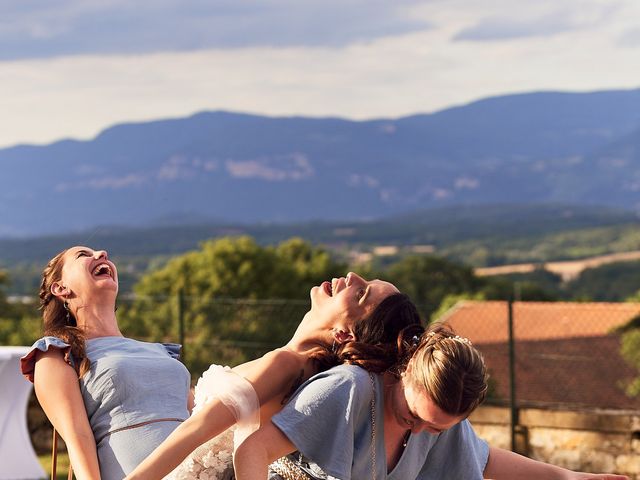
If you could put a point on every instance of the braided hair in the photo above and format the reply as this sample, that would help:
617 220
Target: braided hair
448 367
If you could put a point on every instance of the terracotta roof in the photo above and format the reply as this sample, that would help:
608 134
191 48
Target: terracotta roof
566 353
487 322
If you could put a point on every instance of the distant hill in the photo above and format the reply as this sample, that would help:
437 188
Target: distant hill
482 235
444 228
229 168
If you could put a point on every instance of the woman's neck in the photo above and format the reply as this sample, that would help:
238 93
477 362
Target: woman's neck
98 321
392 389
310 335
396 435
303 341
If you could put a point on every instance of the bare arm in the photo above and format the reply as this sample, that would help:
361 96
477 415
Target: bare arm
273 374
506 465
270 376
57 389
252 458
214 418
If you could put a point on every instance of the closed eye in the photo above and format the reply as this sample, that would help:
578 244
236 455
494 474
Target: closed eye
82 253
362 294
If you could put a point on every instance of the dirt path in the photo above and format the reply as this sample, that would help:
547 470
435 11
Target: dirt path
568 270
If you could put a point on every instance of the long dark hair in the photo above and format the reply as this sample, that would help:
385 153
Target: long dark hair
58 321
380 337
449 369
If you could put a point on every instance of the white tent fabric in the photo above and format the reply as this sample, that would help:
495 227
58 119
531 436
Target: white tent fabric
18 460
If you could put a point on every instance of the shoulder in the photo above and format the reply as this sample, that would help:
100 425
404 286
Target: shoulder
51 346
47 342
346 374
349 382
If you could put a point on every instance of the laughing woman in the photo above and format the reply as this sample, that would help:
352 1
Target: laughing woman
112 399
242 398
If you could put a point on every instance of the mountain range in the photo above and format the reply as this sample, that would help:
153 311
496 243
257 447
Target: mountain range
547 147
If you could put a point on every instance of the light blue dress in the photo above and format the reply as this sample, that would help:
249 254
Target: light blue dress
129 383
329 421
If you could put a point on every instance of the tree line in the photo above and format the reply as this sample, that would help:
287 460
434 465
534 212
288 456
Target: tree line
233 299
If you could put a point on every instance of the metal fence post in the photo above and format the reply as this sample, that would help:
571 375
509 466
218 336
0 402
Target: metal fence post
512 378
181 322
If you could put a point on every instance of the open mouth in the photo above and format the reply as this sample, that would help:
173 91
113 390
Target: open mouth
327 288
102 270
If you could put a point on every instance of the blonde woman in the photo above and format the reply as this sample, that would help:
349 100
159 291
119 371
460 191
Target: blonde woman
403 420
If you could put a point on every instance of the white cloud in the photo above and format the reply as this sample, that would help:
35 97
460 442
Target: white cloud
630 38
379 75
552 21
70 27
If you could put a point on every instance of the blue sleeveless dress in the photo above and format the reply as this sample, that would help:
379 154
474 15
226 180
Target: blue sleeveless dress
129 383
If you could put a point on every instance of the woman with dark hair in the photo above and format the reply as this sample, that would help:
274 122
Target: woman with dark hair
231 403
404 419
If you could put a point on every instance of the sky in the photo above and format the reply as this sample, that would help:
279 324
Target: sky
71 68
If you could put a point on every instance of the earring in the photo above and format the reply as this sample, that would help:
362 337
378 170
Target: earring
66 307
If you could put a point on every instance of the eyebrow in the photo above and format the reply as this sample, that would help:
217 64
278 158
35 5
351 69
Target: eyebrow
81 250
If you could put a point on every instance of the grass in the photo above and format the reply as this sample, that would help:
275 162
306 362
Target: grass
63 465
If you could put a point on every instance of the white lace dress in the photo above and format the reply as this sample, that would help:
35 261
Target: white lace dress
214 459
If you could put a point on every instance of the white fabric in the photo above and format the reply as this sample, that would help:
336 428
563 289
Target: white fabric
18 460
214 459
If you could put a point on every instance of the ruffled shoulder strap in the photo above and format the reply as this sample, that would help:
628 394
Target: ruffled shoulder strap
173 349
28 362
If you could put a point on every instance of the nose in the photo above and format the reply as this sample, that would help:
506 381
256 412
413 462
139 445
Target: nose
101 254
354 278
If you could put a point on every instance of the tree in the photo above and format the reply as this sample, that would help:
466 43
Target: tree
19 324
4 304
608 283
630 347
630 350
537 286
237 298
429 279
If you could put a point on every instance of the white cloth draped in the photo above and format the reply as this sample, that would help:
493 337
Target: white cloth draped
18 460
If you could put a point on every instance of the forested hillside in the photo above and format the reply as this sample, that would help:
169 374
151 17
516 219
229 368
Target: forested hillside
231 168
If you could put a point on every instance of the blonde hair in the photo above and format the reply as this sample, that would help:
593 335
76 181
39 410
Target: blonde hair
58 321
449 368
